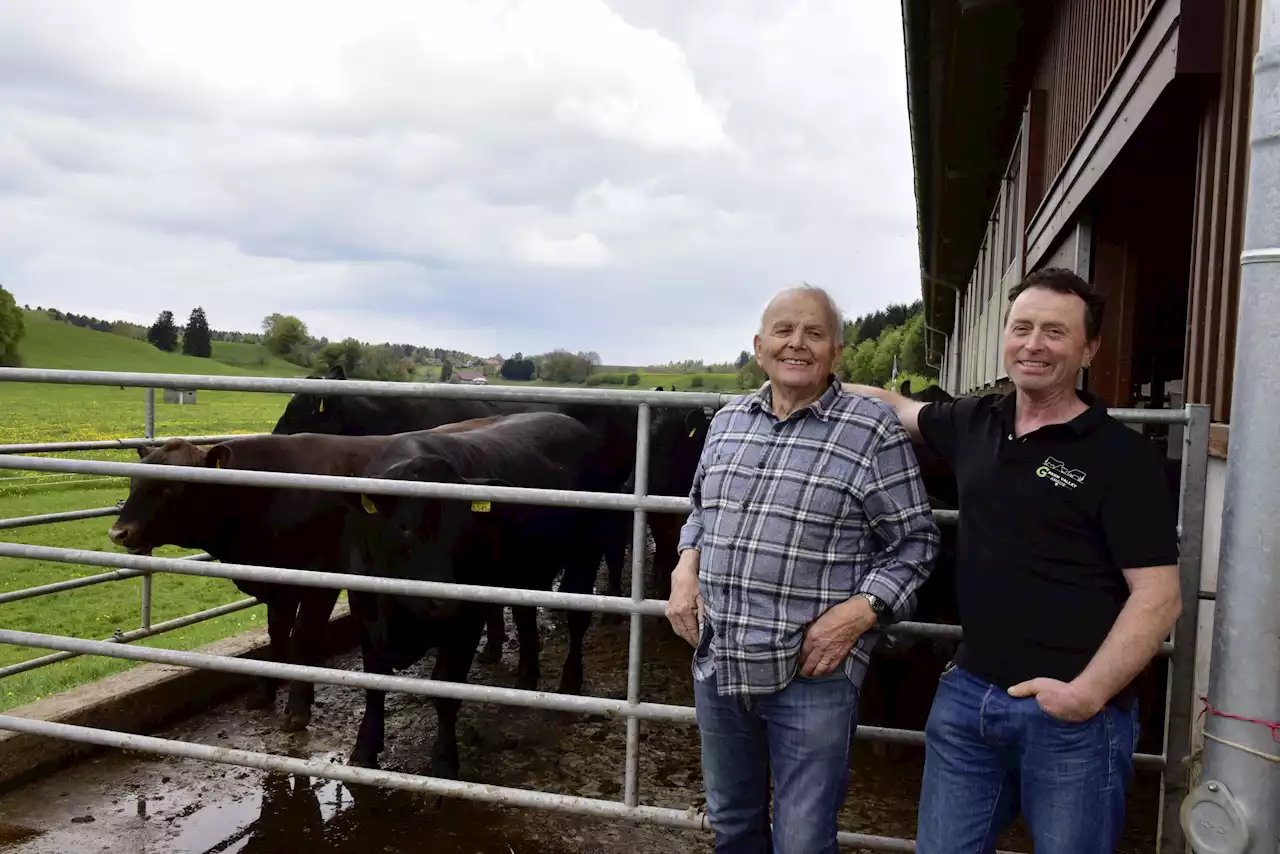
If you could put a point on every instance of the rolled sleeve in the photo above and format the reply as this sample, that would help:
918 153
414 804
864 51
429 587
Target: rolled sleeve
901 520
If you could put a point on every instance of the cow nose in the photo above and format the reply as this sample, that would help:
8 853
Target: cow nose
119 534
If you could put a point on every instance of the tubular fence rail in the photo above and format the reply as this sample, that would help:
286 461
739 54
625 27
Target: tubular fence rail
1180 653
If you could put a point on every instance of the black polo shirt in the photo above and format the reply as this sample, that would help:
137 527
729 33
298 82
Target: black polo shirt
1047 523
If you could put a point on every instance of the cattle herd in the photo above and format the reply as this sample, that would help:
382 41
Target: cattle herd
569 446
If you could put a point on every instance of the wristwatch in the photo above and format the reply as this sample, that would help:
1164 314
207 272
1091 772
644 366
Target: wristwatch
879 607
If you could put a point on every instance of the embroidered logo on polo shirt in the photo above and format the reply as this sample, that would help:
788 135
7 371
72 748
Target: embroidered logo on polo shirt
1061 475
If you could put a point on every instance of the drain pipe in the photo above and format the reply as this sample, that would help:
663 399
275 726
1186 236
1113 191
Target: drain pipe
1236 806
946 338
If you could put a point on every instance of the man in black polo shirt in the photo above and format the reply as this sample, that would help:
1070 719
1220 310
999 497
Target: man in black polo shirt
1066 575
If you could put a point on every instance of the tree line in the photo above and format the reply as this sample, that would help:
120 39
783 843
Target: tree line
876 346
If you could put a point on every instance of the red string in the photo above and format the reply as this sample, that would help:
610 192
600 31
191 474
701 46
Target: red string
1274 726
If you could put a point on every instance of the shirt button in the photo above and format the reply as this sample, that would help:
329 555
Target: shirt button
744 504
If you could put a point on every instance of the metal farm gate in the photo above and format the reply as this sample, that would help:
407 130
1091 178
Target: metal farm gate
1191 423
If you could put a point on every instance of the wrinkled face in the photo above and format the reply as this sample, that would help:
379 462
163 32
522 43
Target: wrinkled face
798 344
425 539
163 512
1045 344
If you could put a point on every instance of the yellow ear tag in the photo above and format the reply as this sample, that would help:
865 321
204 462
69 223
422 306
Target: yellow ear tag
692 432
368 504
480 506
322 405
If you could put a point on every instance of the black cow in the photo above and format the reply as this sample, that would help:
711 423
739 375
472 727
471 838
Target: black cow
676 437
354 415
290 528
482 543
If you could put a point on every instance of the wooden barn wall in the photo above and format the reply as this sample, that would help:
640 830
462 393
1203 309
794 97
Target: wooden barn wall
1217 238
1086 42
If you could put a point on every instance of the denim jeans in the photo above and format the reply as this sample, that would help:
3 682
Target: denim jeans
801 734
989 756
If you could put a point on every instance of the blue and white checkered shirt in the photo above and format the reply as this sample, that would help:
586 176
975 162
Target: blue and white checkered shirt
793 517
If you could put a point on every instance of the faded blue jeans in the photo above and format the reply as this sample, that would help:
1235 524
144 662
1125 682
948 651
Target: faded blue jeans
989 756
801 734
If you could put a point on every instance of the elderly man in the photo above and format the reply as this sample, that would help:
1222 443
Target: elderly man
1067 582
809 528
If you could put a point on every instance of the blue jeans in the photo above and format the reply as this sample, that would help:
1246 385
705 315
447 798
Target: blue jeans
989 756
802 735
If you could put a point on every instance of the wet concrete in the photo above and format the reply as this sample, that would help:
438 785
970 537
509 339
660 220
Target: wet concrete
118 802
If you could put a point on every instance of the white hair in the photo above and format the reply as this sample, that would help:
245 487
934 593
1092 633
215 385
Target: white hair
833 310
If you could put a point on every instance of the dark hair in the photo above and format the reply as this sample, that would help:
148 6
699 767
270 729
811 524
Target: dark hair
1064 281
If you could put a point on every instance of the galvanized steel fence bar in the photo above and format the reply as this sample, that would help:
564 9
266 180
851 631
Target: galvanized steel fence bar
1181 652
149 433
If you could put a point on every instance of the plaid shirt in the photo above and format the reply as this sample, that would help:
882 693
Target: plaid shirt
795 516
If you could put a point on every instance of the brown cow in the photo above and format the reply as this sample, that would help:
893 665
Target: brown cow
265 526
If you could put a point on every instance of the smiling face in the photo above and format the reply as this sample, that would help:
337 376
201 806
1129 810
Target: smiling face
798 342
1045 340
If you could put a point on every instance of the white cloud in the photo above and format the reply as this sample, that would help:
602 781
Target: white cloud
491 176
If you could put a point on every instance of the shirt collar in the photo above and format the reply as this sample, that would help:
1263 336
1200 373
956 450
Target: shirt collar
762 399
1005 406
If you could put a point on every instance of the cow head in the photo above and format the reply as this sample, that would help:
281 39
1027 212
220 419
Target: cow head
165 512
676 438
428 539
315 413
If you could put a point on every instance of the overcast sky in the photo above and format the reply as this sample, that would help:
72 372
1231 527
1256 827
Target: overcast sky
633 177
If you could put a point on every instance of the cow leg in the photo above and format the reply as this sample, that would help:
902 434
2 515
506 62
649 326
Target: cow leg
280 617
666 540
528 671
497 635
579 577
453 662
307 646
369 740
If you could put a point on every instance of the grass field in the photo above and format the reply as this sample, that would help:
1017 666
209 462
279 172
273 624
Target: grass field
47 413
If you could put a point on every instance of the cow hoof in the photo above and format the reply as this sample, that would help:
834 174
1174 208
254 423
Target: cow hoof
570 685
295 721
358 760
445 769
491 654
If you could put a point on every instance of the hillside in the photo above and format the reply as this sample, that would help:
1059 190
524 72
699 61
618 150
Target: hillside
52 344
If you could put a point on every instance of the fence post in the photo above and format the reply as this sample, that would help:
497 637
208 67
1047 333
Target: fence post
149 431
639 529
1181 667
1236 806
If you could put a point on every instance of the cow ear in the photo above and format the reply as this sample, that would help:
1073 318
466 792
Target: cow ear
485 505
335 372
694 421
364 503
144 451
905 388
218 457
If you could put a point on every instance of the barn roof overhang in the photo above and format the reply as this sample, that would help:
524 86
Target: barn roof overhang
969 68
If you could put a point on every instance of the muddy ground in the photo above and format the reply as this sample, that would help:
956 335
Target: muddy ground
158 805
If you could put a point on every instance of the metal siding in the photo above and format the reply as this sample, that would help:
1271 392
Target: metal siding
1086 42
1222 167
